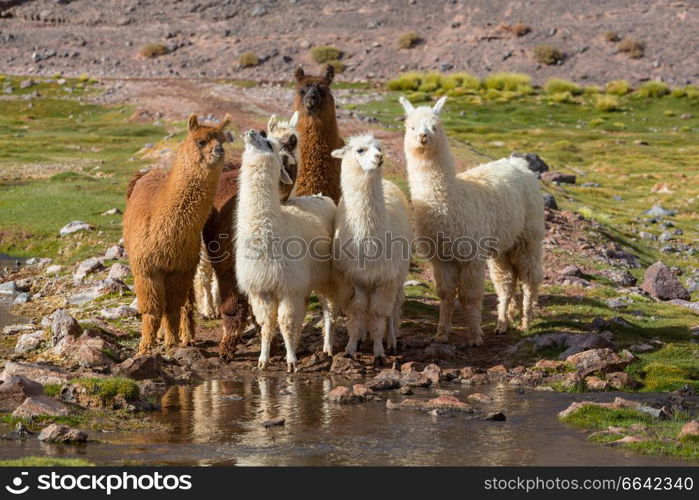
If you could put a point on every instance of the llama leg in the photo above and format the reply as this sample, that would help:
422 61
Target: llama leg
446 275
394 322
531 274
177 289
187 324
151 303
264 308
504 280
381 306
471 289
233 307
356 311
328 319
291 312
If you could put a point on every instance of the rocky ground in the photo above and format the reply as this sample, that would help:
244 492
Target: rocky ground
207 38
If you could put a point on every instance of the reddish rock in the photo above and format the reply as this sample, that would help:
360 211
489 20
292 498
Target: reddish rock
141 367
480 398
497 372
551 365
88 350
690 430
476 379
440 403
595 383
408 367
661 283
57 433
343 395
433 373
597 360
63 325
40 405
467 372
15 389
346 366
385 384
361 390
415 379
621 381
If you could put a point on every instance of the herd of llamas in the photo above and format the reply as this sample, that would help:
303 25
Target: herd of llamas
220 228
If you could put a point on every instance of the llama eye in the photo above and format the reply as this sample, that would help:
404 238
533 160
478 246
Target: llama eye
303 92
361 151
201 143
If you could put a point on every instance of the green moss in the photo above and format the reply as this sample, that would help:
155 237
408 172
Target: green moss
109 388
45 462
668 369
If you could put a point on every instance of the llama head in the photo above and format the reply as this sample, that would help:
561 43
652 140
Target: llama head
284 134
204 143
362 153
262 153
422 125
313 92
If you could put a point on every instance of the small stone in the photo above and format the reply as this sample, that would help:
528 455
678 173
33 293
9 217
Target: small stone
558 177
433 373
595 383
53 270
658 211
383 384
75 226
275 422
689 430
118 312
621 381
550 202
479 398
141 368
119 271
112 211
572 271
497 372
57 433
62 325
88 266
597 360
22 298
29 341
660 282
405 391
343 395
9 288
115 252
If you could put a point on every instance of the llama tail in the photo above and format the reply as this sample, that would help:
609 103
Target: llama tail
132 183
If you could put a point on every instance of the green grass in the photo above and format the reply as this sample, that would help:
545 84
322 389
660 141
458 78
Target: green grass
668 369
618 87
558 85
325 53
45 462
653 89
516 82
109 388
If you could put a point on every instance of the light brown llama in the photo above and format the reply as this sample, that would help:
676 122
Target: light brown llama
319 172
165 214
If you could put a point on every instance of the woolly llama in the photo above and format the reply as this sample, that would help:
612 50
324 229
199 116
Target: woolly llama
372 215
219 238
277 285
165 214
493 211
319 172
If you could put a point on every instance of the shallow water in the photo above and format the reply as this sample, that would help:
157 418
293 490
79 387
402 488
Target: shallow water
209 428
9 261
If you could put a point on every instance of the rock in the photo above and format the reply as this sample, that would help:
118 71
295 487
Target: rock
118 312
15 389
658 211
661 283
574 271
415 379
621 381
40 405
275 422
597 360
119 271
22 298
141 367
14 329
362 391
497 416
75 226
558 177
115 252
408 283
644 235
112 211
550 202
29 341
316 362
497 372
345 365
571 343
405 391
88 350
620 277
88 266
52 270
57 433
534 162
343 395
615 405
433 373
642 348
595 383
43 374
438 350
98 290
627 440
551 365
476 379
383 384
445 402
9 288
63 325
694 306
690 430
479 398
570 380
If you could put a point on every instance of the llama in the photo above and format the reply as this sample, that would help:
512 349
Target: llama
319 172
371 211
278 286
219 240
165 214
206 292
496 209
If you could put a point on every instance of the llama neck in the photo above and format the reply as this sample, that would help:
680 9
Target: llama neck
431 174
364 204
259 207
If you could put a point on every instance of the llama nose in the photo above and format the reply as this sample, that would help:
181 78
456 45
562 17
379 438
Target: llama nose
423 138
218 149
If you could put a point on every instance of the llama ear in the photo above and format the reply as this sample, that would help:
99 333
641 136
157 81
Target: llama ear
407 105
272 123
440 104
299 74
329 72
294 119
339 153
284 176
226 121
192 122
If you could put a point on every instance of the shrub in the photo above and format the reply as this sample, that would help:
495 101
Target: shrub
109 388
561 97
409 40
691 91
405 81
248 59
518 82
611 36
151 50
325 53
519 29
618 87
547 54
653 89
338 66
559 85
607 103
632 48
466 81
431 82
596 122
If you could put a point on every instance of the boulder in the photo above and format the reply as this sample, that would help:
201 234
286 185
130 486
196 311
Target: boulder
658 211
444 402
343 395
74 227
118 312
88 350
43 374
119 271
15 389
40 405
550 202
621 381
597 360
101 288
433 373
690 430
57 433
497 372
29 341
88 266
558 177
316 362
9 288
595 383
115 252
142 368
660 282
63 325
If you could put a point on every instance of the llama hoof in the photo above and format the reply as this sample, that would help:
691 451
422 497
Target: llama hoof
292 367
500 329
328 351
349 355
441 337
261 365
379 361
476 341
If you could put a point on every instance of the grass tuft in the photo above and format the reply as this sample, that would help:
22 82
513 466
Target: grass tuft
632 48
325 53
516 82
547 54
45 462
152 50
248 59
653 89
518 29
409 40
109 388
558 85
607 103
618 87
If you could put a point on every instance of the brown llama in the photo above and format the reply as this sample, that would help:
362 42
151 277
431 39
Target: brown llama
165 213
319 172
219 240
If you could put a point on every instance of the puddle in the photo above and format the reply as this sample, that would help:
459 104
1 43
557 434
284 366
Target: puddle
7 261
208 427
